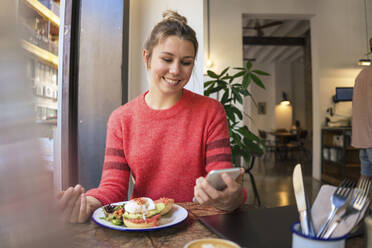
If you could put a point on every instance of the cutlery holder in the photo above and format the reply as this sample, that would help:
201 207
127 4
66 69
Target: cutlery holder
300 240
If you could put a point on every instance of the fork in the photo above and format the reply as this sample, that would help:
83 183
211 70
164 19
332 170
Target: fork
359 200
338 199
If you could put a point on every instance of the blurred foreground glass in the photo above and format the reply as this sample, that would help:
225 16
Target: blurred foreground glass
28 217
368 225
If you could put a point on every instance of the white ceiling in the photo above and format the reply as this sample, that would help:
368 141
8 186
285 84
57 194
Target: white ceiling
274 28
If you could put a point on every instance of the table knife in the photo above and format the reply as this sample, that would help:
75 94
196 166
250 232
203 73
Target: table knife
309 218
299 191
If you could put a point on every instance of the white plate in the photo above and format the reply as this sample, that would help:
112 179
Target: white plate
174 217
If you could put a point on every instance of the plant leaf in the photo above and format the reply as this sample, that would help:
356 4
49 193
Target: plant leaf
229 113
237 112
253 148
238 74
223 72
225 96
207 83
248 134
235 150
258 81
206 91
246 155
248 65
246 80
237 95
213 90
236 138
261 72
239 68
212 74
221 83
245 92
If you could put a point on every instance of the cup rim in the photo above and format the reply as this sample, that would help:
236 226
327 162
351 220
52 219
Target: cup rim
315 238
202 239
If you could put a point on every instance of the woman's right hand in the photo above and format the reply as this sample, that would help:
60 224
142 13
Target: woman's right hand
75 206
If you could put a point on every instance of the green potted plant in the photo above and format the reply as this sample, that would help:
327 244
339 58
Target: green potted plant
232 89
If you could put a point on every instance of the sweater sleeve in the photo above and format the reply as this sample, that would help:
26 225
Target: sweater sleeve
115 174
218 150
217 147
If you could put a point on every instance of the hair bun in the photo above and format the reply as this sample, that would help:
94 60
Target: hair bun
173 16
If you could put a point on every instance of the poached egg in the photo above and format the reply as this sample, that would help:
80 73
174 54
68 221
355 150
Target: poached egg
139 205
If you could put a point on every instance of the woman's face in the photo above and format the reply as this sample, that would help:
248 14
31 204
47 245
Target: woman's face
170 65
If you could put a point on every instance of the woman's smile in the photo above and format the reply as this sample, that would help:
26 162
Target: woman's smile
172 82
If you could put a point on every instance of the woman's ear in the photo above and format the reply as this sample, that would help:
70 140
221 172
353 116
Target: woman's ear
146 58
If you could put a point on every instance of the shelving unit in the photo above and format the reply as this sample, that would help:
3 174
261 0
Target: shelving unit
43 11
41 54
339 159
39 25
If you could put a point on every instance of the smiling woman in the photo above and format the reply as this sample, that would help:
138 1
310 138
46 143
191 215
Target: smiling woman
169 138
171 66
169 55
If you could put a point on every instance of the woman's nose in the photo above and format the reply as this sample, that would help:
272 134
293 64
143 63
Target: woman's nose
174 68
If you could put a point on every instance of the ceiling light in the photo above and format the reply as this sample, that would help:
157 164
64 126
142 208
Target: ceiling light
364 62
285 100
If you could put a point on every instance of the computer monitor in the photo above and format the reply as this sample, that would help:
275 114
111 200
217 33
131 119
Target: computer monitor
343 94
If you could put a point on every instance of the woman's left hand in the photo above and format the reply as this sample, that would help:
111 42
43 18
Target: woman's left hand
228 199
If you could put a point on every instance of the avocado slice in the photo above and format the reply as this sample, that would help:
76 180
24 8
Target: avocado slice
158 208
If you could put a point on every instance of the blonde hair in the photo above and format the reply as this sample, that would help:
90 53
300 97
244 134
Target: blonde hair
172 24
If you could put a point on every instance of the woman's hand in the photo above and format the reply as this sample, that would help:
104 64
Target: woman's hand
75 206
228 199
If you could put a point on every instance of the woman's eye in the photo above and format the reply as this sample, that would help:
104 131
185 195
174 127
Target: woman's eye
167 60
186 63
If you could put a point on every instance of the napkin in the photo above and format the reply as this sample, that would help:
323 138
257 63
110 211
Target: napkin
322 207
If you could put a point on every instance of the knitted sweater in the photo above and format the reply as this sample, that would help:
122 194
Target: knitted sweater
166 150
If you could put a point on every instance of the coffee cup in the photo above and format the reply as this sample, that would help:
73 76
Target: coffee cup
211 243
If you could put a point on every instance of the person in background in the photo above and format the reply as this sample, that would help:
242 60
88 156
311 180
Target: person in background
169 138
362 119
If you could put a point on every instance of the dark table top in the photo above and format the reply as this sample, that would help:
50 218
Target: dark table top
93 235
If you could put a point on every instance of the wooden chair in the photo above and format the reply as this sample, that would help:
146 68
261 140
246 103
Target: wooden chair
270 145
298 146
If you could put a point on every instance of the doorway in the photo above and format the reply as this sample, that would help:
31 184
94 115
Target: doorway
281 47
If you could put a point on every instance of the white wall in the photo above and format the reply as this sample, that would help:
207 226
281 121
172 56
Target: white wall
267 121
144 15
284 77
283 81
298 93
337 42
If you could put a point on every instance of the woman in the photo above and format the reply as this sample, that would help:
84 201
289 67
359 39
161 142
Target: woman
168 137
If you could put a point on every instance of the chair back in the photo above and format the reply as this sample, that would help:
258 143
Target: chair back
303 134
262 134
281 130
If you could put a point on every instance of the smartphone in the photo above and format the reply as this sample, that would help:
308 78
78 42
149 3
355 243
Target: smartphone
215 180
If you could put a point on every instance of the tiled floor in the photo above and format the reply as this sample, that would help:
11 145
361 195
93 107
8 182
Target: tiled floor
274 182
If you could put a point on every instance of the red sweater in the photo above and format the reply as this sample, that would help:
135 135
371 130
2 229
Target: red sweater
166 150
